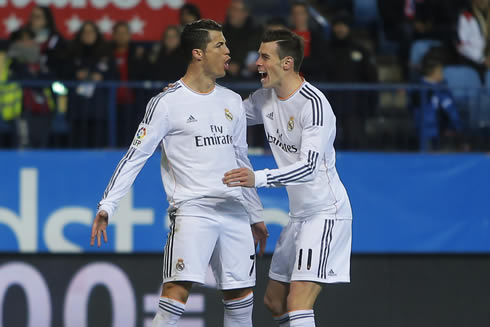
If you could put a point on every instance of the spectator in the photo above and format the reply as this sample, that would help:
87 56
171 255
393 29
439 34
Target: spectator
473 36
10 103
189 13
243 40
52 45
435 113
433 19
346 61
404 21
166 59
90 61
38 102
397 21
90 56
314 41
129 57
129 61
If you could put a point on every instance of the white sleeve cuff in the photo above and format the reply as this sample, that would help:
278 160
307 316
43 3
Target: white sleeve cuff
107 209
256 217
260 178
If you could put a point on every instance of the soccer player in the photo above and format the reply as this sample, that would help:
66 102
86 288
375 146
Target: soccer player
315 246
201 128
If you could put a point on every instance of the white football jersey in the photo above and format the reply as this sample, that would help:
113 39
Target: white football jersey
202 136
301 132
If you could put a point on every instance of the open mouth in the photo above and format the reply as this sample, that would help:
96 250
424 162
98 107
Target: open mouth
227 64
263 76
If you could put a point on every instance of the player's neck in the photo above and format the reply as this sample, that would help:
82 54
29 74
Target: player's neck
289 85
197 81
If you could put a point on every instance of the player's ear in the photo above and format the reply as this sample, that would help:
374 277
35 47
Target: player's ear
288 63
197 54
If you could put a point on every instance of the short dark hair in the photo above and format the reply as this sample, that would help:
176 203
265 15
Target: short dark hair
288 44
196 35
434 58
429 65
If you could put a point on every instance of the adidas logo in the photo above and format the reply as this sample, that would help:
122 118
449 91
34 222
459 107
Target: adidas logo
331 273
270 115
191 119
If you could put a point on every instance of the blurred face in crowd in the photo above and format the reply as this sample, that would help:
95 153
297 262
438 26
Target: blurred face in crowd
237 13
171 38
437 73
269 65
122 35
187 17
26 38
216 57
440 73
37 19
341 30
299 17
89 34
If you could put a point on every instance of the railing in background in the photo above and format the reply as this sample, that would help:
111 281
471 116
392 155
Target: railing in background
369 116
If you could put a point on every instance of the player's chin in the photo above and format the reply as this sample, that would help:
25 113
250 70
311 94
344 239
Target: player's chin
265 84
221 74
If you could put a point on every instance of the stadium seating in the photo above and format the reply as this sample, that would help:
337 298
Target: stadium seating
485 104
418 49
365 12
466 87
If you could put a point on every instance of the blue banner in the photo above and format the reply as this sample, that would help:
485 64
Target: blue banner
402 203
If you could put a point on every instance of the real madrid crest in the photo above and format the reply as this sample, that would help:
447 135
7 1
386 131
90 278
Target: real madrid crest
228 114
180 265
291 123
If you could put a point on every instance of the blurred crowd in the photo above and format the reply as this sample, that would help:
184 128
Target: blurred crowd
438 45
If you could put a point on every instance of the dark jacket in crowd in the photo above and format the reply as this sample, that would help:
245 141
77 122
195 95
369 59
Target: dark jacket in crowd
346 61
167 66
241 41
97 58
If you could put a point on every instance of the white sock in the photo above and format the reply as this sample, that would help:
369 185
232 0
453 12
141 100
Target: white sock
238 313
282 321
301 318
169 312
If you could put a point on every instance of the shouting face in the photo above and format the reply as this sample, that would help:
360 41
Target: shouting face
216 57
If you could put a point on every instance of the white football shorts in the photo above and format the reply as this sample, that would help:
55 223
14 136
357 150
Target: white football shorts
221 237
315 249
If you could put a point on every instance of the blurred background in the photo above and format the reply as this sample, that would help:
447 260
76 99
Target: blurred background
408 81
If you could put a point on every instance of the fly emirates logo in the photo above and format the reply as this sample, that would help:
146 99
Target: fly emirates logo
277 141
216 138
